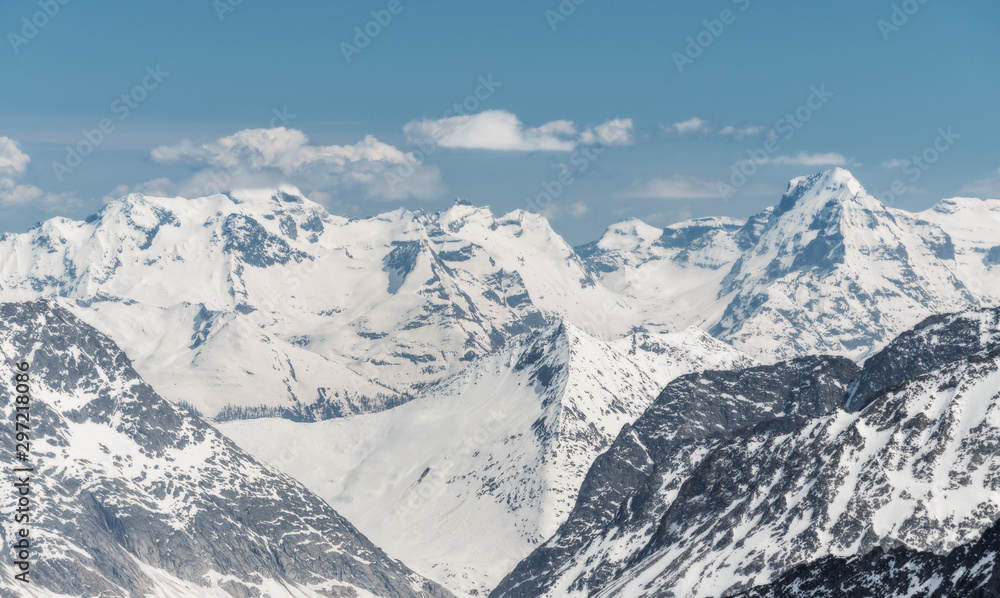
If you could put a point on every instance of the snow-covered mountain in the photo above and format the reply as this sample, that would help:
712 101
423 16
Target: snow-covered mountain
466 480
969 571
133 496
629 487
972 225
915 467
836 271
830 269
329 316
332 316
671 275
479 366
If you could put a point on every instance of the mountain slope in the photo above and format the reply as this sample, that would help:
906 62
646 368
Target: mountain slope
835 271
934 343
671 275
465 480
132 496
331 316
915 467
972 225
969 571
621 495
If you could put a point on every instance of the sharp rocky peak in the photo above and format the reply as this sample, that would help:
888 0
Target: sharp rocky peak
836 184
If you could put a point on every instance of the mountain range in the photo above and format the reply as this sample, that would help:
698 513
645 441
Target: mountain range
466 480
712 408
732 478
333 316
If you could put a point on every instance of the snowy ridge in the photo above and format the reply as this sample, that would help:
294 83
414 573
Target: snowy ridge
972 224
330 316
333 316
464 481
916 468
134 496
835 271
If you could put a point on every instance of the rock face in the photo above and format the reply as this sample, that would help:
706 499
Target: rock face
624 488
830 269
836 271
936 342
969 571
133 496
915 468
465 481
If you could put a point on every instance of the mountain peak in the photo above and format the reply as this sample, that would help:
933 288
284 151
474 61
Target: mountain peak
955 205
279 194
833 184
628 235
835 176
463 211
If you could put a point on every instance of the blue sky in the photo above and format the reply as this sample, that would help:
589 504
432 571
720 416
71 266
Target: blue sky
642 108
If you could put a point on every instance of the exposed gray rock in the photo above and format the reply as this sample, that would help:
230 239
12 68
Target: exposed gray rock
673 511
692 413
131 490
969 571
937 341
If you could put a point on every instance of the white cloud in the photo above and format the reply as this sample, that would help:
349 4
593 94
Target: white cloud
804 159
268 157
12 159
13 196
502 131
744 132
578 210
17 196
613 132
285 150
691 126
985 188
493 130
674 187
699 126
13 193
894 163
550 212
